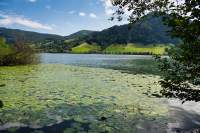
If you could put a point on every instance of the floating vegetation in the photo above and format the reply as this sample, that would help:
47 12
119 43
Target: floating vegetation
96 99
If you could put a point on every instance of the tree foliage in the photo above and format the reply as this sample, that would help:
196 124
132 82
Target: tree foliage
16 54
181 70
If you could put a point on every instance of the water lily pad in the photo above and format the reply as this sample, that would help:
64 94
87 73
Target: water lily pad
109 100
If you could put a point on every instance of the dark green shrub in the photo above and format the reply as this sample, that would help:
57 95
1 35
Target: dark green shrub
17 54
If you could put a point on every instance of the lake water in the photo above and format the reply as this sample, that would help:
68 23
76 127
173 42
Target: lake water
69 93
143 64
188 114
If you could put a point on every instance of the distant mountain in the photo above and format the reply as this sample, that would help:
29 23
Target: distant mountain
149 30
80 34
27 36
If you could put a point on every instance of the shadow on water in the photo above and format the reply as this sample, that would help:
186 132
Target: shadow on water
185 121
56 128
111 121
97 118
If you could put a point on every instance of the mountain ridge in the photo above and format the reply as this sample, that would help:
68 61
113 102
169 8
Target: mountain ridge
147 31
27 36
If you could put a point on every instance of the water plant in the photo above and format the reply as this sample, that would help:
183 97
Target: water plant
110 101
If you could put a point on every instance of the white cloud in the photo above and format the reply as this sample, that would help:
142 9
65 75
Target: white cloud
32 1
5 21
92 15
10 20
82 14
108 7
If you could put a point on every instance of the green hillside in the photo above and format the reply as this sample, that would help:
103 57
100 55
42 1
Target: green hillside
136 49
86 48
12 35
80 34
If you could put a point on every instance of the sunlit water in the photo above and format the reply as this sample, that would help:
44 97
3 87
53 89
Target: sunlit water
136 64
90 93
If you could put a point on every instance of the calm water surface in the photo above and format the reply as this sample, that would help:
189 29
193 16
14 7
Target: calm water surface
143 64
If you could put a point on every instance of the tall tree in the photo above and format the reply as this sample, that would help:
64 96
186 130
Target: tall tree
181 70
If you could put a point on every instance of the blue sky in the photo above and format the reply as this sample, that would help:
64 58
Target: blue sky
61 17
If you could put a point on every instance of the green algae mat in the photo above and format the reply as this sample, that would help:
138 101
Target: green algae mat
88 99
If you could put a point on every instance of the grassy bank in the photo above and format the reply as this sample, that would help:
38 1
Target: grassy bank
86 48
136 49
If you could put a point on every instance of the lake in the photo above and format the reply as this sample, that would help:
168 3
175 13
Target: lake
142 64
70 93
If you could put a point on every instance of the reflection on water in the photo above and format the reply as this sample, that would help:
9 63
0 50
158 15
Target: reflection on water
135 64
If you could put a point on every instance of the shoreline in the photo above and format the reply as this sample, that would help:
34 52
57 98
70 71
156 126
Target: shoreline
96 53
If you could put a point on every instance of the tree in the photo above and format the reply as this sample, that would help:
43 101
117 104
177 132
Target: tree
16 54
181 71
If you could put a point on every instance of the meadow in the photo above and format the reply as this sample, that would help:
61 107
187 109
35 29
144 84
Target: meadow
156 49
86 48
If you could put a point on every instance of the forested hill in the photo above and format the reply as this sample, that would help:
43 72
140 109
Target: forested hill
149 30
12 35
80 34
